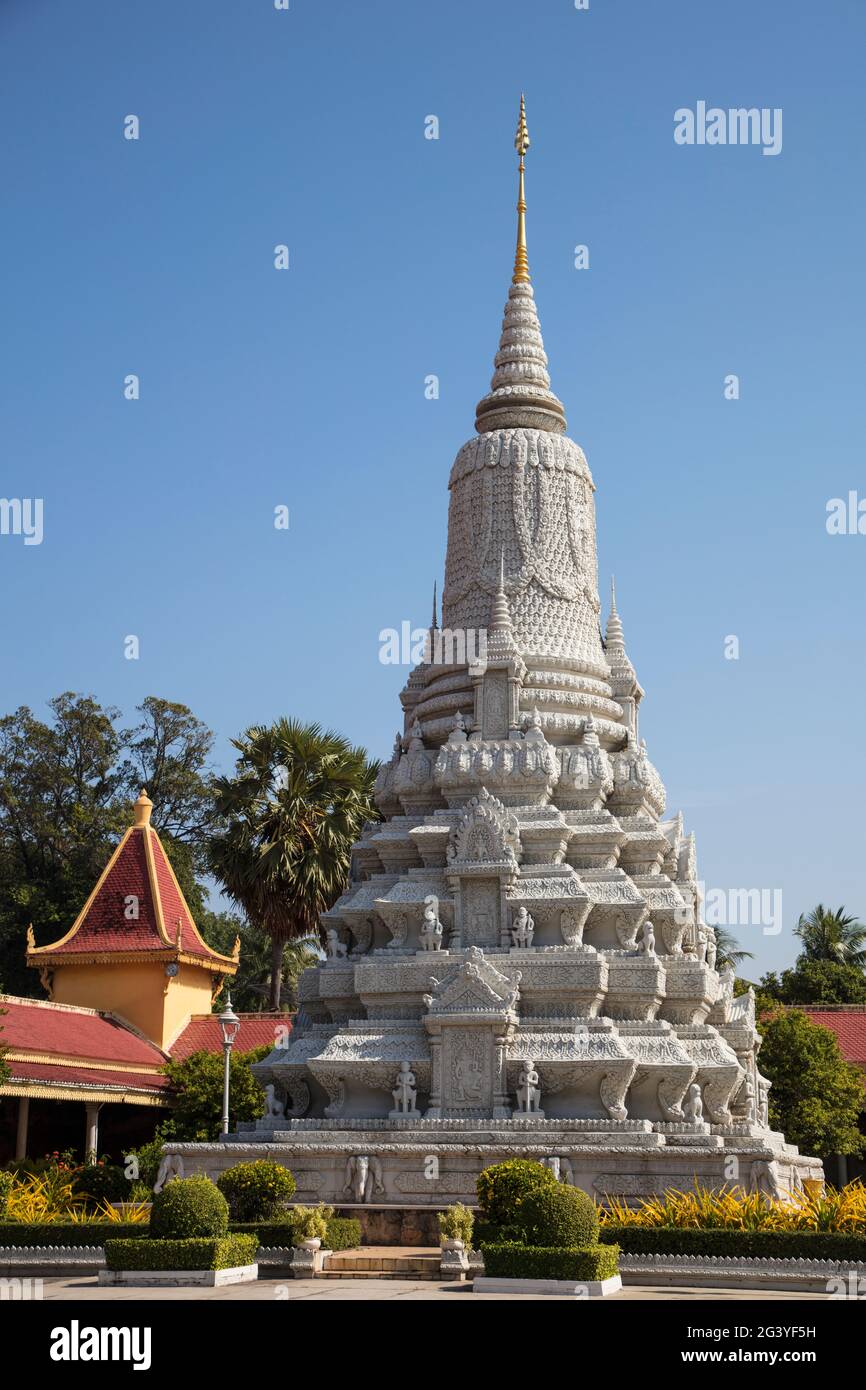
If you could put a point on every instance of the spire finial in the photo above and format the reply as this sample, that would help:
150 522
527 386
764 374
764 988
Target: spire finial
142 809
521 144
612 594
435 622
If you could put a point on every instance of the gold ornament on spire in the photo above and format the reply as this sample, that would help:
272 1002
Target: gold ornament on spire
521 261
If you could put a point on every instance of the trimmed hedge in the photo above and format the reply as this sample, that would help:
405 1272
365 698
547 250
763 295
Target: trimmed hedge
256 1191
489 1233
513 1261
343 1232
226 1252
558 1217
188 1209
692 1240
101 1182
68 1233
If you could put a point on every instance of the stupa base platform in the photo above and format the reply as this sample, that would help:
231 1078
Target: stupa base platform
433 1163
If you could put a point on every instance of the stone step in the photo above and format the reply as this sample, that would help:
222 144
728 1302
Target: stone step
387 1262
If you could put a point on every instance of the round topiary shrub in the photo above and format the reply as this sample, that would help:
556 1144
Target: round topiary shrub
257 1191
558 1216
503 1188
188 1208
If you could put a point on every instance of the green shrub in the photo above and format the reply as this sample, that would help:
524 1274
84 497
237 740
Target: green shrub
341 1232
456 1223
101 1182
225 1252
558 1216
189 1208
256 1191
489 1233
504 1186
692 1240
68 1233
7 1182
513 1261
311 1223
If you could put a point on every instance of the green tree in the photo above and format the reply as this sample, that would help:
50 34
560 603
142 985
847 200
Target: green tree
198 1080
816 982
817 1097
834 936
297 802
66 788
728 949
251 986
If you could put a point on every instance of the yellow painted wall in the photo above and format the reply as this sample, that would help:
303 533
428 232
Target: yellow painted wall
137 991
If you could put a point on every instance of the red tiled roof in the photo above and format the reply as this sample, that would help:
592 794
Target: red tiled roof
849 1025
38 1026
202 1034
138 876
86 1076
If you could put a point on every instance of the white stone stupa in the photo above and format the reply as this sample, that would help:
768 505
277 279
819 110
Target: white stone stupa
518 966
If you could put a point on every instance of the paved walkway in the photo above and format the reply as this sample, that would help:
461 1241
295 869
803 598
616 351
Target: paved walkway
86 1290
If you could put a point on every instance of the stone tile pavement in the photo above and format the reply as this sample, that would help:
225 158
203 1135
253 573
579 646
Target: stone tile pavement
85 1290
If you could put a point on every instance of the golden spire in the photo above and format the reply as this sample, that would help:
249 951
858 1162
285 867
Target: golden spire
521 262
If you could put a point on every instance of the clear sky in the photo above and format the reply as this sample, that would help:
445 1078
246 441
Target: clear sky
305 387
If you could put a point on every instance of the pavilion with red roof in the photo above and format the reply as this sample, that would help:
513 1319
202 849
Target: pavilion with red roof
131 986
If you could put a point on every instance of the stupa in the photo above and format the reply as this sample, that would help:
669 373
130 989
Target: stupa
519 965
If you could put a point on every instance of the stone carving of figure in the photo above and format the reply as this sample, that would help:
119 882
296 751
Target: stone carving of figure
511 999
363 1177
468 1078
431 933
648 939
171 1166
726 990
763 1101
703 944
528 1090
560 1168
337 949
522 928
712 948
458 729
693 1108
404 1093
274 1107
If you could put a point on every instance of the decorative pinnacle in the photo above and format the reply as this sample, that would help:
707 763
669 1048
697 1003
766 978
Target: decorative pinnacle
521 261
142 809
435 622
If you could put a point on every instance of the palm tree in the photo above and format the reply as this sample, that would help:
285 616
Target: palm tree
836 936
728 949
296 804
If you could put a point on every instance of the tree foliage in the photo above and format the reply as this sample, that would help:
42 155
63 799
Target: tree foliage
836 936
198 1080
817 1097
66 788
816 982
296 804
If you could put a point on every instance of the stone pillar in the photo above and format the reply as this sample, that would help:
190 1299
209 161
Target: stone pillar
91 1131
23 1122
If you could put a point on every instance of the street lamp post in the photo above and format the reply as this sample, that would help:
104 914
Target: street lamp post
229 1024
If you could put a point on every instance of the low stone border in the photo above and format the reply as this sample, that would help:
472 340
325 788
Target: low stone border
731 1271
177 1278
569 1288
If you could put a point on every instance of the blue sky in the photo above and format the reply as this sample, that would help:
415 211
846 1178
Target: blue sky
306 388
